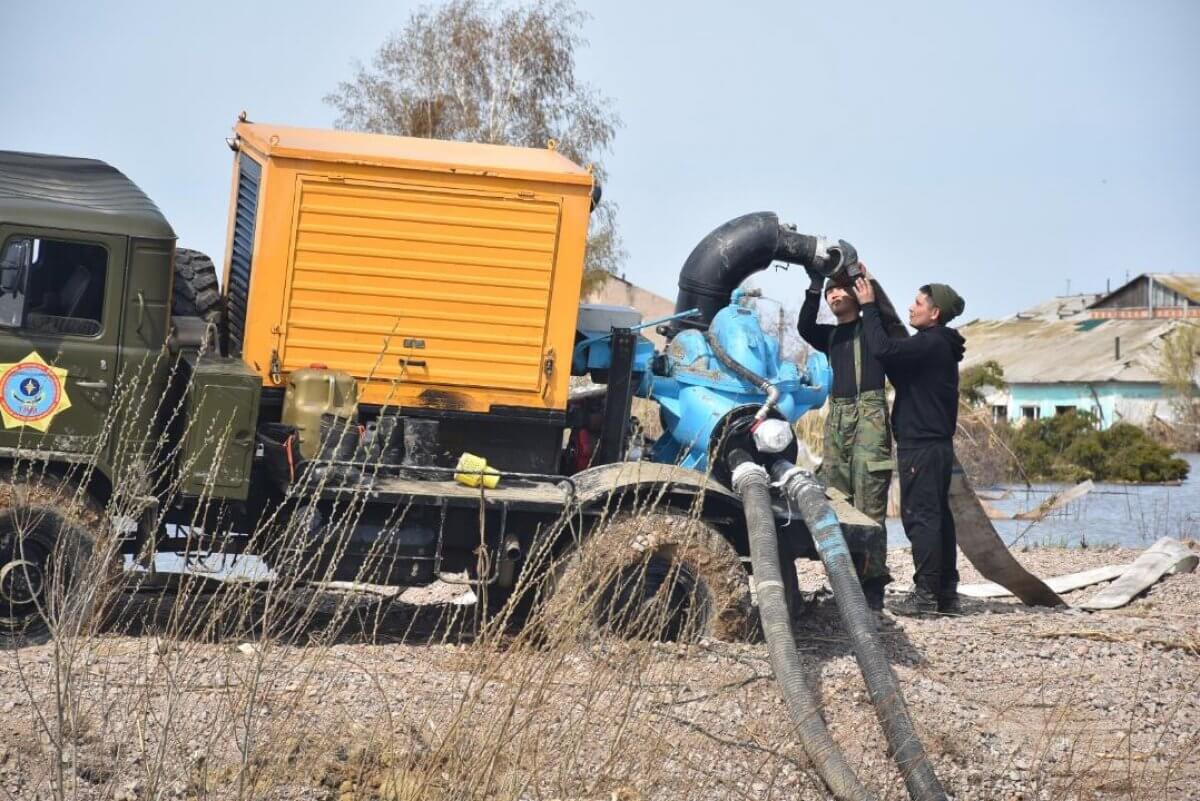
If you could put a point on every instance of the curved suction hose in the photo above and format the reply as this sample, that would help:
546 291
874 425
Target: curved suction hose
809 497
740 248
750 481
746 374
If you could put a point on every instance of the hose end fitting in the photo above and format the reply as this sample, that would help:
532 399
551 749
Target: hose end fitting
748 472
796 482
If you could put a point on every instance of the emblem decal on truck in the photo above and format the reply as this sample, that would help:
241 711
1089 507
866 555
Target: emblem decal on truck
34 392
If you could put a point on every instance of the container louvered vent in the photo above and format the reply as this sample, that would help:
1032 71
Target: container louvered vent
249 178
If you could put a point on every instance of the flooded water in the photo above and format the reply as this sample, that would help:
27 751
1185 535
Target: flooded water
1132 516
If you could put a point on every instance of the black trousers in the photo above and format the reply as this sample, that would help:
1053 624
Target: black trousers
925 511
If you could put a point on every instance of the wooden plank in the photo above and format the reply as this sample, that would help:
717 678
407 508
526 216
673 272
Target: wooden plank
1162 557
1057 501
1060 584
527 492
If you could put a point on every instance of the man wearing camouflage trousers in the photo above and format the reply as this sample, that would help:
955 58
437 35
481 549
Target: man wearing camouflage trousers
857 457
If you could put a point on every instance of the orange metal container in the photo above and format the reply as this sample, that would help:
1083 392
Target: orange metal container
439 274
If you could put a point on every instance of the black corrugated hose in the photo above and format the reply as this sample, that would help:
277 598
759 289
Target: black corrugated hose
750 481
737 249
808 496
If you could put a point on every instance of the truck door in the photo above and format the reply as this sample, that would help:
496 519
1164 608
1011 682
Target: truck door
60 301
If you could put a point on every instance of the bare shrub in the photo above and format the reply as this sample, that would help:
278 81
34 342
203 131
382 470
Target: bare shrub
982 447
157 686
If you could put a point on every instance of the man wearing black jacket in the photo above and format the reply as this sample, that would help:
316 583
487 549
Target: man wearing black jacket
924 370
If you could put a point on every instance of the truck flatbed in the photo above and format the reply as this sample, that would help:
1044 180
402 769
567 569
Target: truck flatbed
530 492
512 492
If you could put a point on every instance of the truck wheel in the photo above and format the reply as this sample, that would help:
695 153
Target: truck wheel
197 293
661 576
50 576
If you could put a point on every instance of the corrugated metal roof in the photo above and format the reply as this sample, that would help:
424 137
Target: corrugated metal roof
1068 351
403 151
77 194
1186 284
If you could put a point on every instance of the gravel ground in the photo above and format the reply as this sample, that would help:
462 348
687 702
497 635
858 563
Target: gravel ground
1012 703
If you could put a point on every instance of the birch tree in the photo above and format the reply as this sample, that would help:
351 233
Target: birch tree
481 71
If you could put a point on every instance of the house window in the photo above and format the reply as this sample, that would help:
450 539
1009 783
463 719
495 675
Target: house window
1029 413
52 286
1063 409
999 413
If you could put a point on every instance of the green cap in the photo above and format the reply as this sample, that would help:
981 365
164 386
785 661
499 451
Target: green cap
949 302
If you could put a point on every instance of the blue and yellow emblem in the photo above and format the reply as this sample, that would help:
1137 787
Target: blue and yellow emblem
34 392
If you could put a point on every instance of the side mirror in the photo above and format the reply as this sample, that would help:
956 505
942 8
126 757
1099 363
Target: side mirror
15 262
14 265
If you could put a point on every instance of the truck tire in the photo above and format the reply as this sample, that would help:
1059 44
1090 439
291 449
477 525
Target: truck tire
197 293
659 576
58 570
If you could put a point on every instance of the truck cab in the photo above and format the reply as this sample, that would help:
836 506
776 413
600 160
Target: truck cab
85 283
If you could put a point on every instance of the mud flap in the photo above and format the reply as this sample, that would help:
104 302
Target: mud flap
979 542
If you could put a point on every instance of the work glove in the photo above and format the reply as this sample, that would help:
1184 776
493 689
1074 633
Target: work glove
816 280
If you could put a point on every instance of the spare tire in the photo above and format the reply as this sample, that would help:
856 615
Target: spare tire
197 293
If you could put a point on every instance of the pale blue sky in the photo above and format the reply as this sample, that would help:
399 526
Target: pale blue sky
1004 147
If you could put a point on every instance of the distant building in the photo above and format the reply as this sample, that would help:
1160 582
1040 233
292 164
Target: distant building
1153 296
1095 353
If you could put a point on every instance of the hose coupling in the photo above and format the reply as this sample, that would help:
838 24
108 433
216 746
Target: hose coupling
746 472
784 481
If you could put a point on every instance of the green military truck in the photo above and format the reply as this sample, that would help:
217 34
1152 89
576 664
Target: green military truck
126 431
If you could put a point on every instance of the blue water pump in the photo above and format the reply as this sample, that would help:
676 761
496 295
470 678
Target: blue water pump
720 376
700 394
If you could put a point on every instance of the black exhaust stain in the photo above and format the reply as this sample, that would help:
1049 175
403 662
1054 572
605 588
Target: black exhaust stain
442 399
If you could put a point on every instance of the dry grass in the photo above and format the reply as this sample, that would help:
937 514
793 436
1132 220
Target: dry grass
208 689
292 689
810 430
